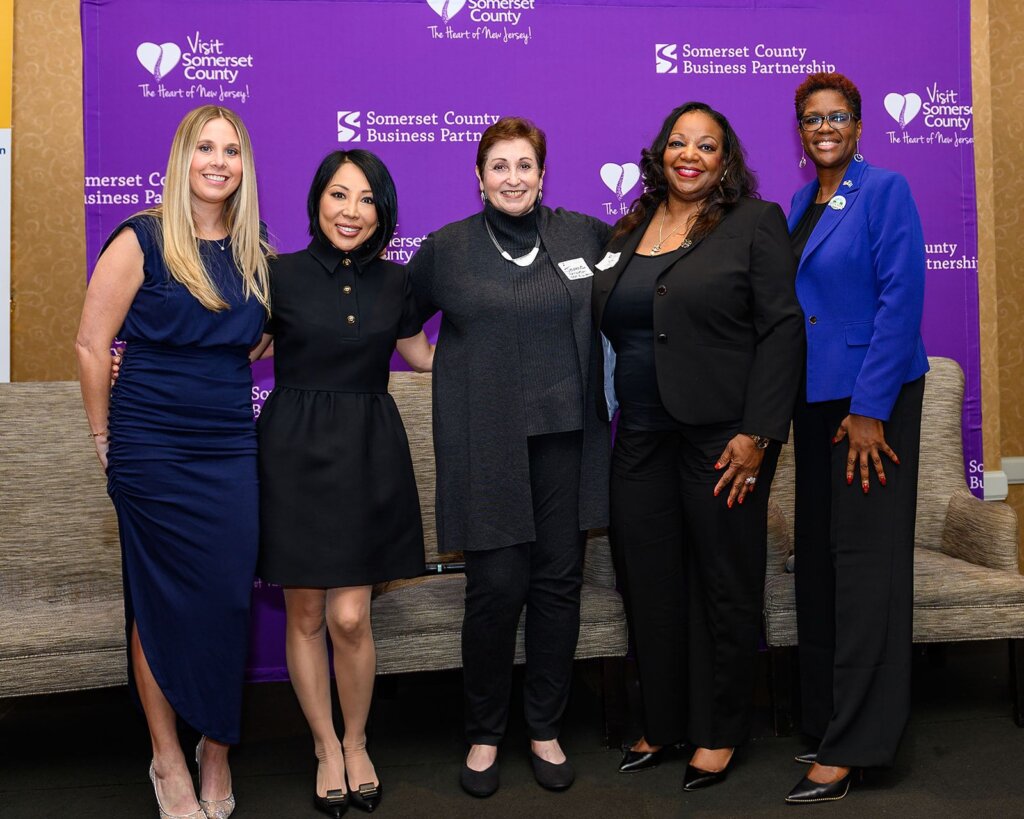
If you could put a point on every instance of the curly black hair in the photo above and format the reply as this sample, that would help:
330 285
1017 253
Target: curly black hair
738 180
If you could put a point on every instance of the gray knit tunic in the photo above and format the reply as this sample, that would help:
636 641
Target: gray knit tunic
480 426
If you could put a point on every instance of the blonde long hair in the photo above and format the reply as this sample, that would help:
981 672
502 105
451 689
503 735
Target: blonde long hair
241 216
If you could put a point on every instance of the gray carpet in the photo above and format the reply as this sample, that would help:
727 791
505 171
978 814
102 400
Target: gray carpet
85 755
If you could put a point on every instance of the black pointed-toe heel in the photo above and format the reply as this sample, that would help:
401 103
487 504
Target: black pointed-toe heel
480 784
633 761
806 759
807 791
694 779
551 776
334 804
366 796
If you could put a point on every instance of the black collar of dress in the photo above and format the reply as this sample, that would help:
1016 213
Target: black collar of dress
329 256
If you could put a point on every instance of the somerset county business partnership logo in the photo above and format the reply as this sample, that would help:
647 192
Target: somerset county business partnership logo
666 58
158 60
349 127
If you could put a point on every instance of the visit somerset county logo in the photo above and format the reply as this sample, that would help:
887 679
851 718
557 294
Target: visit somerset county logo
620 180
210 71
940 117
446 9
902 107
498 21
158 60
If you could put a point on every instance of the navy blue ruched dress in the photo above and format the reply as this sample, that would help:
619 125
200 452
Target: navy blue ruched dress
182 476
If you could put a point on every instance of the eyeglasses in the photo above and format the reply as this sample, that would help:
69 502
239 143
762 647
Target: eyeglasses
837 121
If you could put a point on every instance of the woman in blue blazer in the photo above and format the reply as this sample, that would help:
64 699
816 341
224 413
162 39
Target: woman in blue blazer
857 236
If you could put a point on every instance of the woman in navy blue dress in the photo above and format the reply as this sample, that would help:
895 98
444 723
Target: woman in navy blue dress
186 286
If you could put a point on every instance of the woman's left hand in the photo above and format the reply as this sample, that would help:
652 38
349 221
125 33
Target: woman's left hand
867 440
741 460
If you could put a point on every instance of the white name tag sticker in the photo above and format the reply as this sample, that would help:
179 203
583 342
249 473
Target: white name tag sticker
609 261
576 269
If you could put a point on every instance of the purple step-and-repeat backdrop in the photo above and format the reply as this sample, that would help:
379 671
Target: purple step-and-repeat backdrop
417 82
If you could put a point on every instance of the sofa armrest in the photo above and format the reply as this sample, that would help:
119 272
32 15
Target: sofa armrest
980 532
779 544
598 569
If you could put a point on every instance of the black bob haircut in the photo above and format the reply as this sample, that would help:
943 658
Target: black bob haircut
385 199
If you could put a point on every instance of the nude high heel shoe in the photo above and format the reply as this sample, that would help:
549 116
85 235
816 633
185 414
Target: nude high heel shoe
212 808
164 814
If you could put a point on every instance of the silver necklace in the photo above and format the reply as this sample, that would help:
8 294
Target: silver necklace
223 245
661 240
522 261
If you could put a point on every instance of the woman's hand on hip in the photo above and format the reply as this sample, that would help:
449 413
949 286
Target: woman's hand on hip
867 440
741 460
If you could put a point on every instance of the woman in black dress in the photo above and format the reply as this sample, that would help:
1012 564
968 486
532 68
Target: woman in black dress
339 510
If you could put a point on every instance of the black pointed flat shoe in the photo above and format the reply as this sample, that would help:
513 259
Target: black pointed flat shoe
808 758
694 779
480 784
633 761
334 804
367 796
807 791
551 776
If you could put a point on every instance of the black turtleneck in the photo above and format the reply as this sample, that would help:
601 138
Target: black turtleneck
549 361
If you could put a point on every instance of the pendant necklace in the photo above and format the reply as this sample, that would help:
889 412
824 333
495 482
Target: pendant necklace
221 243
661 240
522 261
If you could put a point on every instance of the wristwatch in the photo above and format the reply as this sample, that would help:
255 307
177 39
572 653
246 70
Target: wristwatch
760 441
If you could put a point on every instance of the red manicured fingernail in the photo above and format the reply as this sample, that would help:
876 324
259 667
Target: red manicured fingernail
729 503
881 479
895 460
741 499
849 479
835 440
717 490
864 485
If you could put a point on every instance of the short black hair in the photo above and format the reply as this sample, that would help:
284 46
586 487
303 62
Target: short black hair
385 198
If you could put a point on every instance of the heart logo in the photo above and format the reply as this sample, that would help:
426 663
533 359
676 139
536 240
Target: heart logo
903 107
158 60
446 9
620 179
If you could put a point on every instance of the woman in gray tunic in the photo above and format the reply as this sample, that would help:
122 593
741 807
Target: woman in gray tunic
521 450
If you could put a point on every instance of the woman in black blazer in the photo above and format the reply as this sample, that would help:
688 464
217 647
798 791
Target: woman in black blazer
696 296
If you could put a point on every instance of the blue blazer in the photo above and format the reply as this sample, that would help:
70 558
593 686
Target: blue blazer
860 282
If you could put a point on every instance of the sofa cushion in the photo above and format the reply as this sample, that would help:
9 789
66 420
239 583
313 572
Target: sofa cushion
418 624
953 600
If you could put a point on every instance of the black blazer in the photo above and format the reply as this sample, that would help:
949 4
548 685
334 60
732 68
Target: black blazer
728 329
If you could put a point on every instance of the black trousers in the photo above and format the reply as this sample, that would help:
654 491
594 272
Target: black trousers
855 583
694 580
546 575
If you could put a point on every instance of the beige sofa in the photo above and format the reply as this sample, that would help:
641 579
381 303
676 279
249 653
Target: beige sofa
61 613
61 617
